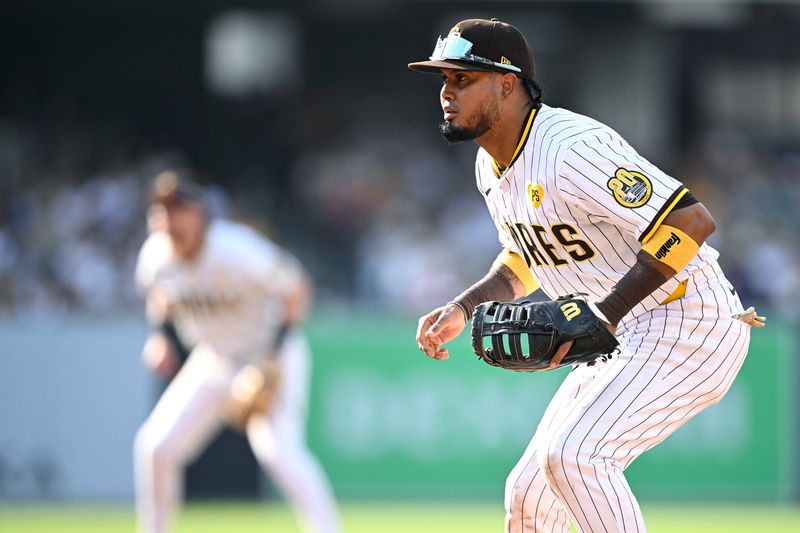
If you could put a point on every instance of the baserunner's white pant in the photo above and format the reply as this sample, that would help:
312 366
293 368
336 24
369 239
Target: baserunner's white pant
676 360
192 410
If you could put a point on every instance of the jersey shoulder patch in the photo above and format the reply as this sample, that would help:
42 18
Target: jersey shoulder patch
630 188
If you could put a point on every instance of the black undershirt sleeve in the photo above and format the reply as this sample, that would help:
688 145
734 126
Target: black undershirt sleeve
182 350
495 286
685 201
640 281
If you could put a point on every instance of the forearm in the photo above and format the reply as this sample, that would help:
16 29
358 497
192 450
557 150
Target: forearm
671 248
159 311
500 284
296 306
170 333
641 280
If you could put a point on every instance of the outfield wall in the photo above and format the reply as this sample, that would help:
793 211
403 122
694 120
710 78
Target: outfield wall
386 421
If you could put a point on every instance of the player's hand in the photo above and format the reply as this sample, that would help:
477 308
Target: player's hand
564 348
159 356
751 318
438 327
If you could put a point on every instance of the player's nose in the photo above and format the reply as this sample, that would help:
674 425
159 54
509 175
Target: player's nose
447 104
446 94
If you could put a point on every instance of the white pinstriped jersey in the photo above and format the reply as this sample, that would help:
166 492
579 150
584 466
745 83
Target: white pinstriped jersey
229 297
576 203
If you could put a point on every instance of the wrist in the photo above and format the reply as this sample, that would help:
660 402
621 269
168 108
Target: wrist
463 308
614 306
596 310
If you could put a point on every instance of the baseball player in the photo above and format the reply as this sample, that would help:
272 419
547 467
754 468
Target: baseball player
237 300
578 210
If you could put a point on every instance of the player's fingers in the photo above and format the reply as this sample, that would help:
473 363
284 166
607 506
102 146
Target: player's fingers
441 354
750 317
421 328
426 347
425 323
434 339
560 353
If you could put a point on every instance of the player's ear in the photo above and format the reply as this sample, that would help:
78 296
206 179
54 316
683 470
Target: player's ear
508 82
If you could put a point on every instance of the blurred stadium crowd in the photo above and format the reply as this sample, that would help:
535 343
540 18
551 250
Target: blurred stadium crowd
412 227
343 163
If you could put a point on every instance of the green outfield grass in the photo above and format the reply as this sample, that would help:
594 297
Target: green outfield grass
383 518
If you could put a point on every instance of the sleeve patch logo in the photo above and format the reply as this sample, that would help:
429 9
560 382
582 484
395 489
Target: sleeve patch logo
631 189
535 194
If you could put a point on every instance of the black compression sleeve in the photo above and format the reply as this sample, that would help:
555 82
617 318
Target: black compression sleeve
495 286
182 350
640 281
685 201
280 338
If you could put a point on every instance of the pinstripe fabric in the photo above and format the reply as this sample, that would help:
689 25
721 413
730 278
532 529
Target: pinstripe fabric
572 158
676 361
559 208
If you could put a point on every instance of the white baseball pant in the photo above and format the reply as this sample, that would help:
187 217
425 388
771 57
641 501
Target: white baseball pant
675 361
192 410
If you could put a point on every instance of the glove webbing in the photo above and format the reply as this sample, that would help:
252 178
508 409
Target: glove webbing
514 321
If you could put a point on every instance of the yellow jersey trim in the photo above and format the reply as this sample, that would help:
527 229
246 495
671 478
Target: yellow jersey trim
519 268
666 210
522 140
677 294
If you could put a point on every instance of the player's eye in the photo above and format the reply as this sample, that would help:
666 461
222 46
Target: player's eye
458 79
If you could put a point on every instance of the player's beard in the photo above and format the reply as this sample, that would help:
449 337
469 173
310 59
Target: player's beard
482 121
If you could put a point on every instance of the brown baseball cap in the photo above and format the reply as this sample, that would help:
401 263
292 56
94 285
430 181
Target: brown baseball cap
480 44
176 187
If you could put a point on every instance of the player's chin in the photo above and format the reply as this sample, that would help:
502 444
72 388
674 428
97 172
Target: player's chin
454 134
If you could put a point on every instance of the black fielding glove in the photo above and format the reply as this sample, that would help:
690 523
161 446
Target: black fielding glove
524 336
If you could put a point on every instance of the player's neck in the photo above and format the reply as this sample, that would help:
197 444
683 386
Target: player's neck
502 139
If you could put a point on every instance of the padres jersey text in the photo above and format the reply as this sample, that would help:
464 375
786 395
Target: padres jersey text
575 187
